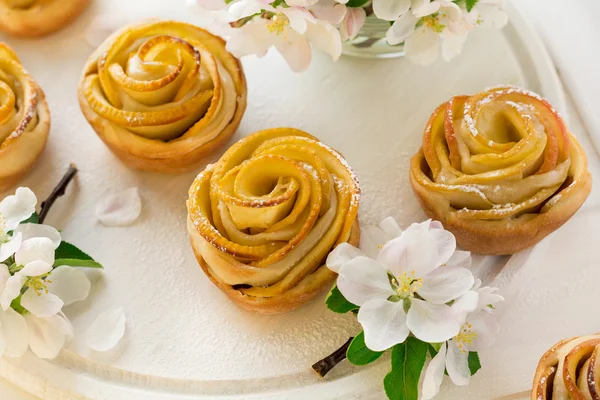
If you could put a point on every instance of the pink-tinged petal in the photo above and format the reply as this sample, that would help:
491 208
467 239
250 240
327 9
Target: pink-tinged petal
372 240
445 284
295 49
432 323
352 23
390 10
29 231
343 253
14 330
325 37
8 249
18 207
434 374
298 18
41 304
106 331
423 47
414 251
445 245
457 364
330 11
35 249
363 279
390 227
435 225
253 38
11 291
460 259
384 323
120 209
47 336
69 284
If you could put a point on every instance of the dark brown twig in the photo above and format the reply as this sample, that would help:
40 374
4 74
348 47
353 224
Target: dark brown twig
322 367
58 191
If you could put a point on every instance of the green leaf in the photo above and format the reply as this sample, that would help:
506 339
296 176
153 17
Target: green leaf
474 363
68 254
359 354
408 359
336 302
34 219
434 348
356 3
470 4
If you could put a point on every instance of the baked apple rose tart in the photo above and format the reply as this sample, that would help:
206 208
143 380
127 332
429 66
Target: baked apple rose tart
38 17
263 219
24 119
500 170
570 370
163 94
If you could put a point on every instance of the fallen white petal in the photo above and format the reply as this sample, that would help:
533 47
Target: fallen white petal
432 323
343 253
384 323
434 374
41 304
69 284
106 331
457 365
39 230
120 209
14 330
363 279
445 284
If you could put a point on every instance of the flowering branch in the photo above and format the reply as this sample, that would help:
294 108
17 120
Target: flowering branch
58 191
323 366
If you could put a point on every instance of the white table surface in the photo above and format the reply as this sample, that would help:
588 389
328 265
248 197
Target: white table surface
568 31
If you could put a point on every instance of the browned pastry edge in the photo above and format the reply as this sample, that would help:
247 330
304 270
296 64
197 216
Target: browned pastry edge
183 162
290 300
34 23
503 237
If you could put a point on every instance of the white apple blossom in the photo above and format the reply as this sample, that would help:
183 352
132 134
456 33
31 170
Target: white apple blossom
402 282
352 23
477 333
43 292
14 210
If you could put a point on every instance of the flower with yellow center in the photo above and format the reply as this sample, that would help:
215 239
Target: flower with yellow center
278 23
403 286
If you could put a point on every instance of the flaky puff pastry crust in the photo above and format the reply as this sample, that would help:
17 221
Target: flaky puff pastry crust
500 170
162 95
263 219
570 370
30 18
24 119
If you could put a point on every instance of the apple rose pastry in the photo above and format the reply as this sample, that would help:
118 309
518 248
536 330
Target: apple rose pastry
263 219
500 170
24 119
569 371
38 17
163 94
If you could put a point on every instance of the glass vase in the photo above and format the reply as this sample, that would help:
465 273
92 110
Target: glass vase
370 41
